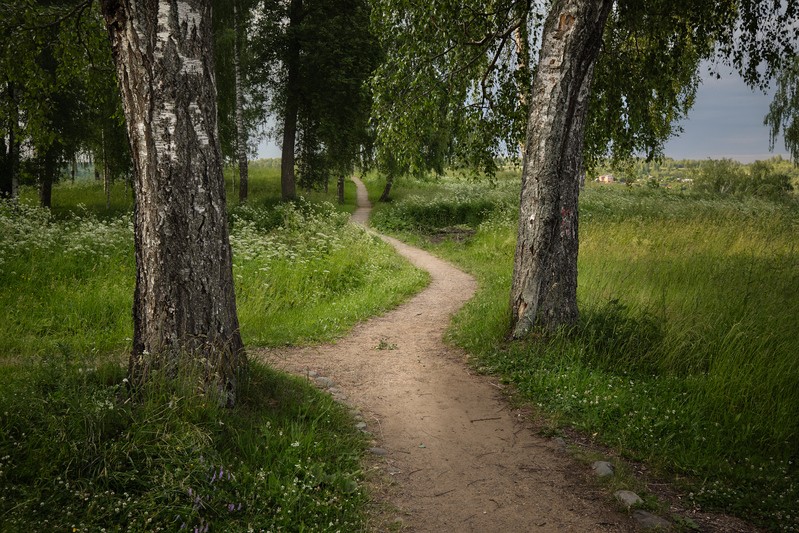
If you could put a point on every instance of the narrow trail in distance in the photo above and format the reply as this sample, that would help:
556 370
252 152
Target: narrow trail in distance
454 456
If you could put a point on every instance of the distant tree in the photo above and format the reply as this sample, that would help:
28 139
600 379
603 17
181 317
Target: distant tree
237 114
326 54
60 96
783 114
184 311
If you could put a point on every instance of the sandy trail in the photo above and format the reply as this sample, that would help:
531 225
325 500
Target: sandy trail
458 457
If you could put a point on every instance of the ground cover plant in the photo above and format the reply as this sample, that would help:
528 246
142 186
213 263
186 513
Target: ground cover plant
685 352
77 453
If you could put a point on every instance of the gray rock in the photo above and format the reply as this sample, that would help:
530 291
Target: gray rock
360 425
559 442
628 498
378 451
603 468
313 374
325 382
651 522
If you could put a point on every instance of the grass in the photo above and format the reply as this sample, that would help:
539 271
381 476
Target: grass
76 454
685 355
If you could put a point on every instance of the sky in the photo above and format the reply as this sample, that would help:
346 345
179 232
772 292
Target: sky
725 122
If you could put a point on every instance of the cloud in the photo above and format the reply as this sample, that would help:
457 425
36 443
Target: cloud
725 122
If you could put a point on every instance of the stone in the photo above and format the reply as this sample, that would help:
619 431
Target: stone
378 451
325 382
603 468
313 374
650 521
360 425
628 498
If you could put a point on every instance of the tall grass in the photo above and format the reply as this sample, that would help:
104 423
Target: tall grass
78 453
685 355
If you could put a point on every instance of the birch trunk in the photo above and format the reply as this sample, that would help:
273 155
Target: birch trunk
287 181
522 45
10 179
340 188
385 196
184 309
544 286
241 133
106 174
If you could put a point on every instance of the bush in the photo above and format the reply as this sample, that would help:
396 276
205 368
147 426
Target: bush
728 177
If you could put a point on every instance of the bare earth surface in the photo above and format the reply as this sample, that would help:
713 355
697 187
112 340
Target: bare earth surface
456 457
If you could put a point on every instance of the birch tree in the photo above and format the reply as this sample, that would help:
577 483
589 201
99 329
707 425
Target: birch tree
184 305
612 78
544 286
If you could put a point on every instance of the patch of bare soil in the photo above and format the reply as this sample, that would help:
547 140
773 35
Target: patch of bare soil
454 457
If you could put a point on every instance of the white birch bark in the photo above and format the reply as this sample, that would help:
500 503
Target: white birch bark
544 287
241 132
184 304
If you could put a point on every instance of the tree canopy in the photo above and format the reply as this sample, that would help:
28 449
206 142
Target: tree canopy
783 114
452 89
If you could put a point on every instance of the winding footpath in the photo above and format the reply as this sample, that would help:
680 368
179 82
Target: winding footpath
452 455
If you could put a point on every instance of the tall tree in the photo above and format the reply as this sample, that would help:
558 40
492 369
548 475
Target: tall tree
232 62
184 303
241 131
444 61
544 285
288 186
747 34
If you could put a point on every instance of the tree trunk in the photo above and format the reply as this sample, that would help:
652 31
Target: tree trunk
47 176
287 181
385 197
106 174
184 310
9 181
544 286
341 188
521 40
241 132
74 167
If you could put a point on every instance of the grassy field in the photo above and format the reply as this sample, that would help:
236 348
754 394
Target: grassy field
76 454
685 355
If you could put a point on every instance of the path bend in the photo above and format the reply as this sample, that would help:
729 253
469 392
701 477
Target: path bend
457 457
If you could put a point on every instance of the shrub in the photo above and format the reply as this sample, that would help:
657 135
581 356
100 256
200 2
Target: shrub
728 177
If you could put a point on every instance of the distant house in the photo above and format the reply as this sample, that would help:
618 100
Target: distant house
606 178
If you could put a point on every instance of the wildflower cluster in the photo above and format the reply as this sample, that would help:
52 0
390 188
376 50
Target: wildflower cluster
294 232
25 230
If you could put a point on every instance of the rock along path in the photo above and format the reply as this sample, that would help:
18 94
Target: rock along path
457 457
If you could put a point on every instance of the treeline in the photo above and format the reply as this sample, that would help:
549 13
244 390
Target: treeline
773 178
305 63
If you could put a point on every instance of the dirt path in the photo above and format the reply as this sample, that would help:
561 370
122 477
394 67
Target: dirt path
458 457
